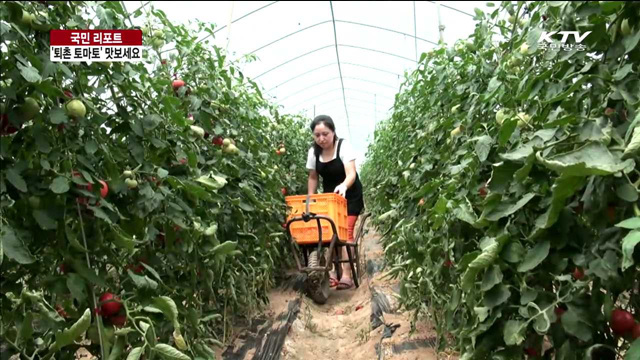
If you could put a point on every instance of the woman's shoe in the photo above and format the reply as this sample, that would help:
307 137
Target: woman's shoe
345 284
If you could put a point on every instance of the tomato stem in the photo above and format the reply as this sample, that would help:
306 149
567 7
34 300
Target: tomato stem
93 293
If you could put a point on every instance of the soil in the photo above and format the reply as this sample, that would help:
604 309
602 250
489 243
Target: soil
343 328
356 324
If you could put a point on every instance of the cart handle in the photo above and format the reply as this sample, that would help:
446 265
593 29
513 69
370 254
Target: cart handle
311 216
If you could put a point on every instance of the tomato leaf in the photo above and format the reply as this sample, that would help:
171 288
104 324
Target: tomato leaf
14 248
162 173
506 209
246 207
58 116
606 267
483 147
514 332
527 295
590 159
496 296
26 328
574 321
60 185
44 220
153 272
631 224
628 246
634 144
170 353
630 42
117 349
484 260
563 188
519 154
29 73
169 308
502 176
634 350
535 256
212 181
77 287
150 122
142 282
506 131
88 274
465 212
566 352
70 335
623 72
91 147
224 248
627 193
135 353
16 180
492 277
513 252
41 140
123 240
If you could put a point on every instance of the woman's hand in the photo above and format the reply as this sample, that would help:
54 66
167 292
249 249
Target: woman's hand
341 189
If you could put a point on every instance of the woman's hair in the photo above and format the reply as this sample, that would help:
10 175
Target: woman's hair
328 122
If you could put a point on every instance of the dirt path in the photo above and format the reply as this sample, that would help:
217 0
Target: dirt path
355 324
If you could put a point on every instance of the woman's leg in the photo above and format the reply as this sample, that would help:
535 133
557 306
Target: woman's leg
346 268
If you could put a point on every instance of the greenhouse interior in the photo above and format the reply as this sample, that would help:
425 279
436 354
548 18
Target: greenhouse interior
296 180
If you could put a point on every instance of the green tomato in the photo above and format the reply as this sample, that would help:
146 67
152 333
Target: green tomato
197 131
470 45
523 119
30 108
624 28
158 43
27 18
40 22
75 108
131 183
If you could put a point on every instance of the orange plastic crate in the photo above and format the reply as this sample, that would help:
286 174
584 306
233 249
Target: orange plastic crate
331 205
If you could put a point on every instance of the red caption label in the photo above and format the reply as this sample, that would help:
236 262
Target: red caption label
96 37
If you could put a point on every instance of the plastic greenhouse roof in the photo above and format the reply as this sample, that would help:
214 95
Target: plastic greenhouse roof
299 65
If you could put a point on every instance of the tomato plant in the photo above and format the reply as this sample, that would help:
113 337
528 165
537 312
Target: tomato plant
527 179
104 165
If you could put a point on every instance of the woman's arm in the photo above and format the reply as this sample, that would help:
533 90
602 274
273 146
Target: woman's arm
350 169
312 184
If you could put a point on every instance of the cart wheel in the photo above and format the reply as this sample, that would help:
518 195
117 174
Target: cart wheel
318 281
361 264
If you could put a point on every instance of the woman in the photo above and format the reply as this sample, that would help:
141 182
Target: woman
334 160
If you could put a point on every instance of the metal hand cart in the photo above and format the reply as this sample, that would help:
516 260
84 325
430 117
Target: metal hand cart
321 257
